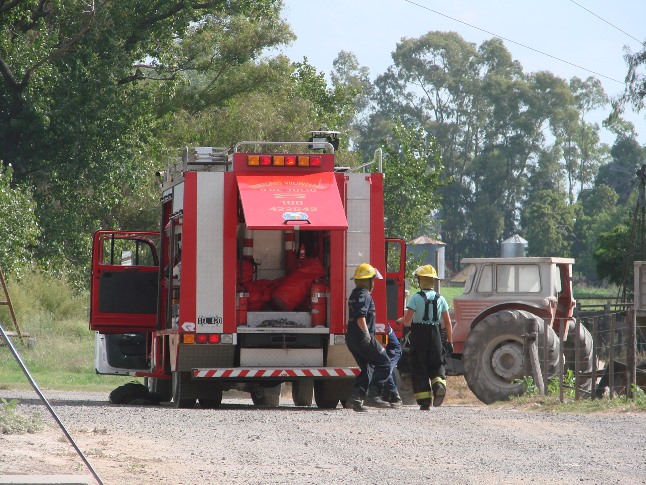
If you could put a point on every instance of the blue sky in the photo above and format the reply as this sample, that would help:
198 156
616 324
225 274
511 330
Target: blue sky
589 34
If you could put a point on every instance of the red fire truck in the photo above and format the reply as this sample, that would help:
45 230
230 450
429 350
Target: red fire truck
245 285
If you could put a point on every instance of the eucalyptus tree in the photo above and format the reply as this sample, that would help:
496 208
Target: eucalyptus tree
490 121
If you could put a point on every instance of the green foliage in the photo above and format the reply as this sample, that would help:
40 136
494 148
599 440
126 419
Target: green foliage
548 221
19 230
611 252
412 169
13 422
569 382
529 388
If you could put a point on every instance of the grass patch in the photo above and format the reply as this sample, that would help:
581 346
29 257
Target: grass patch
13 422
56 319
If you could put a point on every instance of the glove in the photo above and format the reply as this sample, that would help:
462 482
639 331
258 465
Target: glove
366 339
448 349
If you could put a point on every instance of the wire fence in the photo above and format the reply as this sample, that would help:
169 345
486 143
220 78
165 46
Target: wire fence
602 353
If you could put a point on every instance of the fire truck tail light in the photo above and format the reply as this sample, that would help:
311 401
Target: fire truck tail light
188 338
200 338
265 160
315 162
290 160
214 338
284 160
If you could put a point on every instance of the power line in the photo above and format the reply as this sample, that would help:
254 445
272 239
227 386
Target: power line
611 25
514 42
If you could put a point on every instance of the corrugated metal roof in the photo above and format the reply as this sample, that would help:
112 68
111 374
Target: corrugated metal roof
426 240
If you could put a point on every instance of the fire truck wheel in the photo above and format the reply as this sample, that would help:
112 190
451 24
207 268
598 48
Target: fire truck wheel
302 392
160 388
494 359
585 354
323 395
179 396
213 401
267 397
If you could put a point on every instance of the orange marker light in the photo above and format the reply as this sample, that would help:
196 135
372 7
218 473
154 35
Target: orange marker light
303 161
253 160
279 160
188 338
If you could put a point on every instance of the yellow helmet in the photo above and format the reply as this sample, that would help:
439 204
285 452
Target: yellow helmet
365 271
427 270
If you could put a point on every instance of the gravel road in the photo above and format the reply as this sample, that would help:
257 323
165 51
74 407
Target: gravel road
241 444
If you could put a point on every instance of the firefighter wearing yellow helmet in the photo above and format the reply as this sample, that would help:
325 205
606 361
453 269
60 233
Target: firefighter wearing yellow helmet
425 312
360 338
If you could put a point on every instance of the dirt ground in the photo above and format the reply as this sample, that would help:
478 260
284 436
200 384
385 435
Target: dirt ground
461 442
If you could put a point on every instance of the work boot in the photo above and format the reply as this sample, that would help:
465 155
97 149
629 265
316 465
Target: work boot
424 407
355 402
395 399
374 400
439 391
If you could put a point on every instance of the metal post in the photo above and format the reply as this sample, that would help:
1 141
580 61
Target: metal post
577 351
595 356
561 366
611 356
531 353
631 330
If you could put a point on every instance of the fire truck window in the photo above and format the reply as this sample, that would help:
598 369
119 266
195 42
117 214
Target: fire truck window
128 252
393 257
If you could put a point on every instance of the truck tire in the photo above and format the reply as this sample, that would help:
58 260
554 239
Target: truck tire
585 354
493 355
323 395
213 401
179 396
161 389
267 397
303 392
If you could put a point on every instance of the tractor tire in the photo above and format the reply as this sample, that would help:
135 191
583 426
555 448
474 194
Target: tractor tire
494 356
585 354
179 396
303 392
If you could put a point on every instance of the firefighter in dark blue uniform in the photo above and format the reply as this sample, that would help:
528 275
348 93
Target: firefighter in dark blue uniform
369 354
394 352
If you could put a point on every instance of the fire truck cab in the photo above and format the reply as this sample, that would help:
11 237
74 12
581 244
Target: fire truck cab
245 285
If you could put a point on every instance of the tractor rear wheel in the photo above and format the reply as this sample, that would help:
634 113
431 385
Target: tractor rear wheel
494 355
585 354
